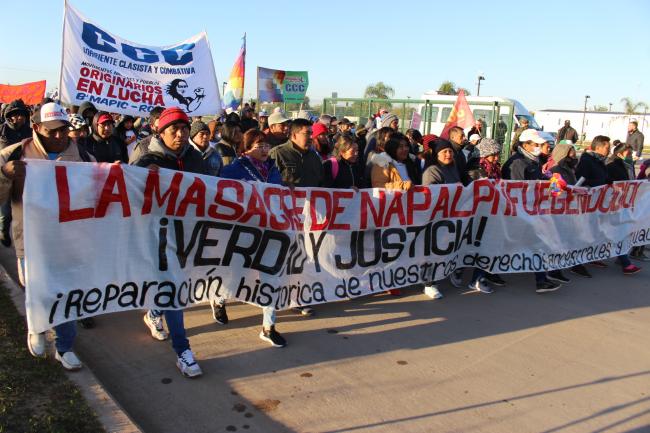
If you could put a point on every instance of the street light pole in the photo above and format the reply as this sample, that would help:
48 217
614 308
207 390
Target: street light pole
584 114
610 107
478 85
223 88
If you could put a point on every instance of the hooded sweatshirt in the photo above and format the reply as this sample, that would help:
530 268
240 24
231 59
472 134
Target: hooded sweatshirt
106 150
563 166
9 134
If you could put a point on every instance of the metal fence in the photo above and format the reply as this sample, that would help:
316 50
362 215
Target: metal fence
433 114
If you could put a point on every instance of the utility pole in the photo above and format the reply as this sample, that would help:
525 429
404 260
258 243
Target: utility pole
610 107
584 115
478 85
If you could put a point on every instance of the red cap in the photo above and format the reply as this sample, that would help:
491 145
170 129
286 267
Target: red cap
172 115
318 129
105 118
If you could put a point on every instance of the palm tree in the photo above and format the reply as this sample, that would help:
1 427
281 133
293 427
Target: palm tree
631 107
447 88
379 91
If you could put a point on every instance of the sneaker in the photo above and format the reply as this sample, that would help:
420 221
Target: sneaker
68 360
641 257
482 286
304 311
547 286
495 280
395 292
631 270
155 325
580 270
87 323
219 313
598 264
456 278
188 365
272 336
557 276
36 344
432 292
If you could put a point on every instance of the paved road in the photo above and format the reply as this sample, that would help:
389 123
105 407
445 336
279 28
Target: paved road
577 360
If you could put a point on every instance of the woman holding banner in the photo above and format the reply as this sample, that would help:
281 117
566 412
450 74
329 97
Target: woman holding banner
444 171
342 170
394 169
254 165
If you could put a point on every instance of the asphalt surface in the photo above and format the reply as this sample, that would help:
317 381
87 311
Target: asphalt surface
576 360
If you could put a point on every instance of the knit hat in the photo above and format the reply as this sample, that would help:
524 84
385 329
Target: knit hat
441 144
197 127
172 115
76 122
428 140
488 146
388 119
318 129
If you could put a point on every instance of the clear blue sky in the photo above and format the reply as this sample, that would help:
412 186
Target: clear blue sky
545 54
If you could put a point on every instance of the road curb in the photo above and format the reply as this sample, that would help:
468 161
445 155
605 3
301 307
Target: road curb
109 412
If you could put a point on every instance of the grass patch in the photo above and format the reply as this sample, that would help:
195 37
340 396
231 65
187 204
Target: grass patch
35 394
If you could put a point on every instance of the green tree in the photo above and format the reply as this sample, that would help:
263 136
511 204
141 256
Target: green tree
631 107
379 91
447 88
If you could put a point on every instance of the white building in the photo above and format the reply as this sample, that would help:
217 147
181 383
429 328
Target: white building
611 124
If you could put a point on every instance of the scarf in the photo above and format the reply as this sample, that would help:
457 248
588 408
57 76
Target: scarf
261 166
493 170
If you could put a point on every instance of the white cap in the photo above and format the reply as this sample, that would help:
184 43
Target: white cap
474 137
52 116
531 135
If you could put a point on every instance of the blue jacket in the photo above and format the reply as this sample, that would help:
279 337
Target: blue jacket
242 169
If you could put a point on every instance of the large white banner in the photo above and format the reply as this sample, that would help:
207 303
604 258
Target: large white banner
120 76
105 237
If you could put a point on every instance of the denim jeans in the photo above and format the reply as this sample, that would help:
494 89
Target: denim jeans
477 275
268 314
625 260
65 332
176 326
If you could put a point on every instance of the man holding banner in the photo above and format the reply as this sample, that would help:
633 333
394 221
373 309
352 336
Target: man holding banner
49 141
171 149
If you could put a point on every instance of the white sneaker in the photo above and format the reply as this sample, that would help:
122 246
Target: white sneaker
68 360
432 292
155 325
481 286
188 365
36 344
456 278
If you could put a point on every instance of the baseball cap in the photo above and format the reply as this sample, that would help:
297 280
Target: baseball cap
474 137
51 115
103 118
531 135
278 117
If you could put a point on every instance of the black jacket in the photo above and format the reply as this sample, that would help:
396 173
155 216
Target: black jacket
461 165
189 159
348 175
110 150
9 135
298 168
593 169
617 169
521 167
